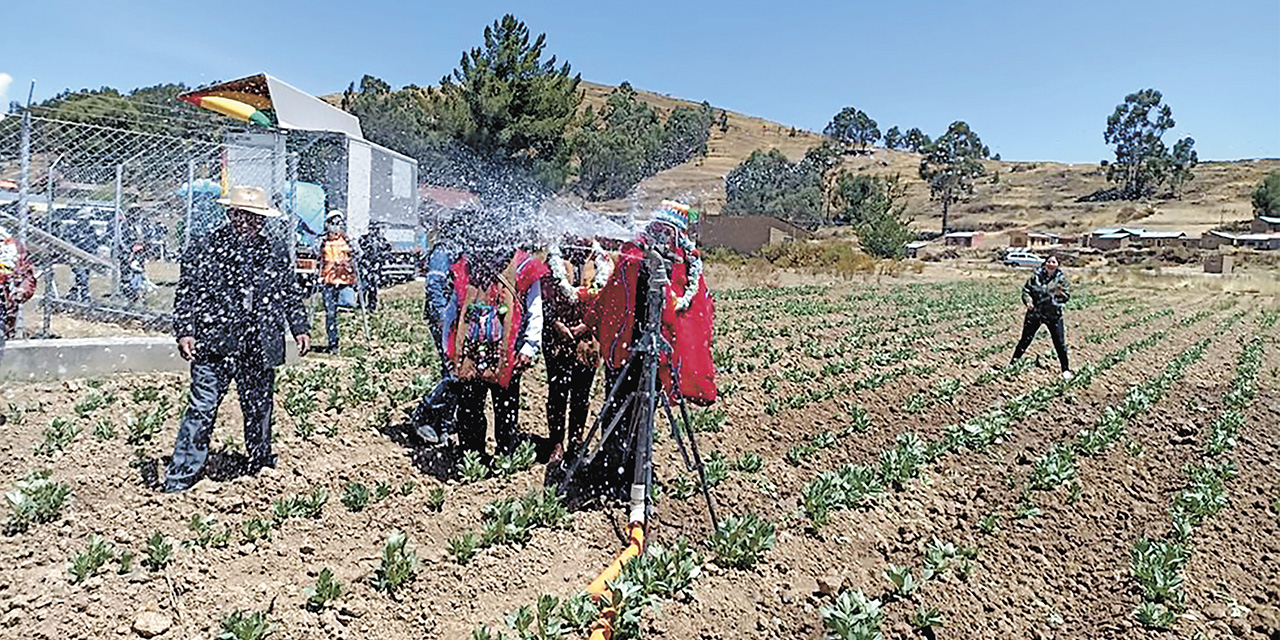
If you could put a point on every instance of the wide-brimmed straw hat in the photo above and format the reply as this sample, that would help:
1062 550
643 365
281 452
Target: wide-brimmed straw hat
251 199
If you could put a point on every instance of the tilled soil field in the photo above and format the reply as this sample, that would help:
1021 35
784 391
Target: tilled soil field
897 480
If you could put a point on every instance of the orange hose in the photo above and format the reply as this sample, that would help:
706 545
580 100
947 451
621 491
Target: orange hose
599 588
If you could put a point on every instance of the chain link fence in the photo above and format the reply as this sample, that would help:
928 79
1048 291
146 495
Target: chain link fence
105 210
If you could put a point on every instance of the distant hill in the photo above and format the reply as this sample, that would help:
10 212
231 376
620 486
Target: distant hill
1038 194
1027 193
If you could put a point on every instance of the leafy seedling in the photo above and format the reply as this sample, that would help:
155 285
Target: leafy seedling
750 462
464 547
472 467
904 584
91 560
255 529
245 625
124 562
381 491
853 616
435 499
398 566
355 496
159 552
103 429
926 618
57 436
35 500
326 590
741 541
990 523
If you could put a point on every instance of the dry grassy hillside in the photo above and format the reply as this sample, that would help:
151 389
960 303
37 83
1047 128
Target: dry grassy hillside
1039 194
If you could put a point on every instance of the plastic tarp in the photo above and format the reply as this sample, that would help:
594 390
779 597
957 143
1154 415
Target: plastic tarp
307 202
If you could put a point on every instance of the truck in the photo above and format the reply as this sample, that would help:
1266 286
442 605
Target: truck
312 157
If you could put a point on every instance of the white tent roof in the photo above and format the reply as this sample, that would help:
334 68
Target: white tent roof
293 108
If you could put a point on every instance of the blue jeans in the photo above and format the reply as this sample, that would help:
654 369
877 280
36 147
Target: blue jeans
330 294
209 381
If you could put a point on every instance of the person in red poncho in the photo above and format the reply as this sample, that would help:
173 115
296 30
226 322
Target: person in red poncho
616 316
493 332
17 283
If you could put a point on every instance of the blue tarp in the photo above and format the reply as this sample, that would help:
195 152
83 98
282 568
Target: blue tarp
308 204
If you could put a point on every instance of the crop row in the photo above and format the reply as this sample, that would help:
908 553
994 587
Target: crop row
1158 564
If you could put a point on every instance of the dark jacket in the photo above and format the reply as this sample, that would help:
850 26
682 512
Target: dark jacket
374 252
1046 293
237 296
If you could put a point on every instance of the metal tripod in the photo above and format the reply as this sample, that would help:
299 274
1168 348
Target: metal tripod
640 407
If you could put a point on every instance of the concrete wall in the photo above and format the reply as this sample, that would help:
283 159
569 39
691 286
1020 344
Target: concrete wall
745 234
34 360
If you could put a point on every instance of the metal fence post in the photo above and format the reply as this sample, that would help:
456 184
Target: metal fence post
191 203
116 234
24 178
24 195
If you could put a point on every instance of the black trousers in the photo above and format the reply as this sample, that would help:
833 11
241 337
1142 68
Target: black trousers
209 381
1057 332
472 424
568 389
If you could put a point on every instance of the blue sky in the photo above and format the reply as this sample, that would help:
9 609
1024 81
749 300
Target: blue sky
1035 79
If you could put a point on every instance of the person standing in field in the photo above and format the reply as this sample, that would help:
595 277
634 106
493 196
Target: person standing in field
337 273
375 250
236 296
1044 295
493 333
433 419
573 354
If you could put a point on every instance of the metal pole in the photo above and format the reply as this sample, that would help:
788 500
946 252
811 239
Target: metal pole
116 235
191 201
24 179
47 299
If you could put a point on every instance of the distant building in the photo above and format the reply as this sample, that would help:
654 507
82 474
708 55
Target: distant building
1027 238
746 234
1215 239
1260 241
1109 241
962 238
913 248
1158 238
1265 224
1112 238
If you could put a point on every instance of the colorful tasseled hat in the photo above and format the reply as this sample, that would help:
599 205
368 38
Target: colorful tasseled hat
673 213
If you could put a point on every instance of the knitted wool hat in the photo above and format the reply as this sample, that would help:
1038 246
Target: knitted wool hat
673 213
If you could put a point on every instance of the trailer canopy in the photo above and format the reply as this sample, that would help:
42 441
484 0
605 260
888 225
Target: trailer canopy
267 100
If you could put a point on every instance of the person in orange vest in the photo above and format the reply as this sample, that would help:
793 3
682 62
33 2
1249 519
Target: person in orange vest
17 283
337 272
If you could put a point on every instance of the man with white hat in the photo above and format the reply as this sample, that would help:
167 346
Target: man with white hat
236 296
